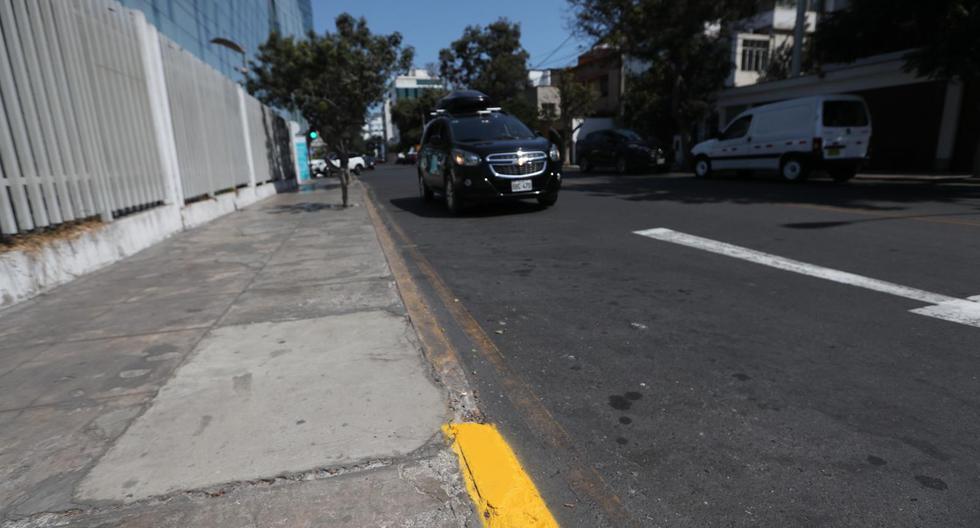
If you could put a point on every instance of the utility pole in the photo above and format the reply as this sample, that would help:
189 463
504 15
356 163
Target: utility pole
799 32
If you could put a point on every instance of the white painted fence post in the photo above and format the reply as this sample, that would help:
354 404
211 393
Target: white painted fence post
163 128
246 137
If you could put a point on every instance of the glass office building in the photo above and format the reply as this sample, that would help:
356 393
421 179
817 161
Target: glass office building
193 23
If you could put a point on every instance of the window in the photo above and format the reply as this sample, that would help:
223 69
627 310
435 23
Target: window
604 86
738 128
549 109
755 55
628 134
844 114
434 134
489 127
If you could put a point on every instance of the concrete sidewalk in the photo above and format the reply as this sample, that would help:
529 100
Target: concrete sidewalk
257 371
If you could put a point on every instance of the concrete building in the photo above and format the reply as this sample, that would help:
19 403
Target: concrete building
767 36
543 92
408 86
193 23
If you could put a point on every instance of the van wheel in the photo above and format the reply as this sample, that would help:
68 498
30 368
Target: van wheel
585 164
843 174
702 167
793 169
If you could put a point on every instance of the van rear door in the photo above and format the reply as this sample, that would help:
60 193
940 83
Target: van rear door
845 129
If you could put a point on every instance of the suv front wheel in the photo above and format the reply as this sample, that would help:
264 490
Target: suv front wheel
452 199
425 193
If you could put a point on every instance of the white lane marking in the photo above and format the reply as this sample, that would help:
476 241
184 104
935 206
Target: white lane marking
963 311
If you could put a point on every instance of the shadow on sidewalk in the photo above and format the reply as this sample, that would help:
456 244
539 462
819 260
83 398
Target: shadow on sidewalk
304 207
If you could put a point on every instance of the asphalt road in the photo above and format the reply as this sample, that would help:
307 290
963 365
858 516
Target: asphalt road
697 389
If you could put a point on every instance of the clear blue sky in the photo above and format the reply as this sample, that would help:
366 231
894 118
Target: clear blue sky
430 25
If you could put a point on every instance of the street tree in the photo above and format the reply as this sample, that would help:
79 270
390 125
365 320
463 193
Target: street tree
410 115
942 38
687 45
330 79
577 100
491 59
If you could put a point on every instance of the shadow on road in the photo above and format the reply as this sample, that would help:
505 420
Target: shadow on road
436 209
869 195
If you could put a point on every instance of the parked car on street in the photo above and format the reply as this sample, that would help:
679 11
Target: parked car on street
473 152
319 167
620 148
355 162
369 161
831 132
409 157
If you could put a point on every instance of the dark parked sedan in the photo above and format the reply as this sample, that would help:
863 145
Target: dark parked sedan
619 148
473 152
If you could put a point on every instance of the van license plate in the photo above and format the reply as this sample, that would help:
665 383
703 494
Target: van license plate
831 152
520 185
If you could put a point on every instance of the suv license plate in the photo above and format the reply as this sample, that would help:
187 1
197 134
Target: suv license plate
520 186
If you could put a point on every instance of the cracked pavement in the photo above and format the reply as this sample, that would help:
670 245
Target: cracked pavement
258 370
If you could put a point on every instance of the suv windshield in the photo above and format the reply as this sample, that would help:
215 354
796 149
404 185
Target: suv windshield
628 134
844 114
489 127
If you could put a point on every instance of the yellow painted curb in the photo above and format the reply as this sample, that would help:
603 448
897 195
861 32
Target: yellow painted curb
504 494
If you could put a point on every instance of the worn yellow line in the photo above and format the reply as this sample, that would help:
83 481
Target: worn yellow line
583 479
504 494
435 345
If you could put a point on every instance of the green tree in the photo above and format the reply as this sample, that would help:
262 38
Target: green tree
943 36
331 79
491 60
686 43
578 100
410 115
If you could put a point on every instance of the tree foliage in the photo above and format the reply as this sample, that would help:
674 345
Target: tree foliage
410 115
578 99
331 79
491 60
685 42
942 36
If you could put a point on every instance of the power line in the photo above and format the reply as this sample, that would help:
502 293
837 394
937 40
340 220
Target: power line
560 46
577 51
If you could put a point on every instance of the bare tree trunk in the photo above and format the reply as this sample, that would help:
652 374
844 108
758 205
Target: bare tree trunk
344 159
344 184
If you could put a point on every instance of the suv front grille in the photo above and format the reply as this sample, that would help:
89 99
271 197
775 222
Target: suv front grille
517 164
527 169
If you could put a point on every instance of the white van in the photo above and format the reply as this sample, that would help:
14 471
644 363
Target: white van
829 132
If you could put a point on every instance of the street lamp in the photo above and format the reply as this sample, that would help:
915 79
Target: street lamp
233 46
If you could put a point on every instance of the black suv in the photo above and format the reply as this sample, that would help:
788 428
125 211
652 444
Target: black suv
621 148
473 152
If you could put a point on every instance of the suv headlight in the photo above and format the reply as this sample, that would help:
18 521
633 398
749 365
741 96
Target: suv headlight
464 158
554 153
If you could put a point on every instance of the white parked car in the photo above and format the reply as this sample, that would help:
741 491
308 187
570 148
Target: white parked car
829 132
355 163
318 166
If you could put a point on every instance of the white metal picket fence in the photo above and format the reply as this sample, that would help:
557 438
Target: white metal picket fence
102 116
